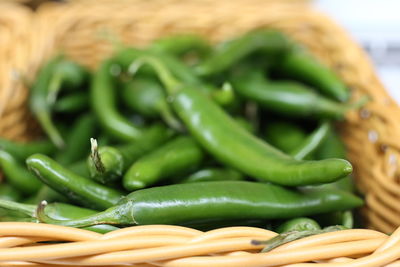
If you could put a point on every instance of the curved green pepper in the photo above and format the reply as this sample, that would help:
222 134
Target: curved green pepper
289 98
57 73
301 65
104 104
220 135
82 190
225 200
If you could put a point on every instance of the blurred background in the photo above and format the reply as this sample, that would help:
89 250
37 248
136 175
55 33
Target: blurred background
374 24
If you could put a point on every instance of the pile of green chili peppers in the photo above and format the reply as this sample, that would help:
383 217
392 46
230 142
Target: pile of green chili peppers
183 132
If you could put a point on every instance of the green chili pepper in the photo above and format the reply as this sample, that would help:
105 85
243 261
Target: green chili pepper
77 146
8 192
289 98
312 142
17 174
106 164
179 45
125 57
61 211
213 174
220 135
152 139
224 97
298 224
56 73
104 105
284 135
23 150
231 52
301 65
177 156
225 200
72 103
147 97
79 189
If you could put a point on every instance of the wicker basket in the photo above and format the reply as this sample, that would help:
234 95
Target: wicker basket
28 39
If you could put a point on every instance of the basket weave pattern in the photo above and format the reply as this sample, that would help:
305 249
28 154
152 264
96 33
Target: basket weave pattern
85 32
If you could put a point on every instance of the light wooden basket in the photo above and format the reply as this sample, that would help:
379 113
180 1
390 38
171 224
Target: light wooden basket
28 39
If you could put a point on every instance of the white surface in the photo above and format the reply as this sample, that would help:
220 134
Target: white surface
375 24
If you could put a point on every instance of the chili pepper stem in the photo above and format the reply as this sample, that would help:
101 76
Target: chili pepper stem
164 74
109 216
290 236
95 156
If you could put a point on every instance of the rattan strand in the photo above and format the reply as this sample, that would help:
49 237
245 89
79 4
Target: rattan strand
86 31
166 245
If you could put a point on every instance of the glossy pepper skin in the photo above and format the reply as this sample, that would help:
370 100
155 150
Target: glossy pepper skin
301 65
57 73
59 211
287 98
233 200
17 174
210 125
77 188
103 101
23 150
177 156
